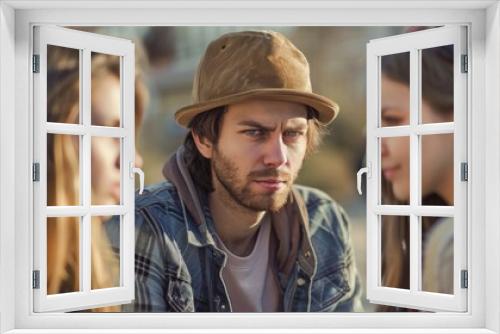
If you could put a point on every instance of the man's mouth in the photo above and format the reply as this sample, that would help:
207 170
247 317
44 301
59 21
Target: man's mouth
270 184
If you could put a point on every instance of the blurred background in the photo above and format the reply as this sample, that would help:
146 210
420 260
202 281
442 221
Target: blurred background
168 57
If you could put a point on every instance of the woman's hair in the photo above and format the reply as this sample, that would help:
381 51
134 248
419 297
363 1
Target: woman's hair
437 91
207 125
63 185
437 75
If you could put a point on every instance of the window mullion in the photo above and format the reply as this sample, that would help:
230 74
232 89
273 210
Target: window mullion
127 240
406 210
415 249
435 128
85 240
80 130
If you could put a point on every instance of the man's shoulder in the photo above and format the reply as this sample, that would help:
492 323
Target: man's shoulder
159 206
151 215
159 194
327 219
316 199
158 215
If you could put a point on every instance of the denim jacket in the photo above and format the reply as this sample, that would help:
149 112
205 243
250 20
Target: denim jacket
178 266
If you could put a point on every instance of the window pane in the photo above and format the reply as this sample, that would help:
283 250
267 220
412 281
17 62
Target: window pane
395 90
63 254
106 90
105 165
63 85
437 253
437 169
395 170
395 243
105 252
437 84
63 170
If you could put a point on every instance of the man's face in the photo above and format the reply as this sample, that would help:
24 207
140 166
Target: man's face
259 153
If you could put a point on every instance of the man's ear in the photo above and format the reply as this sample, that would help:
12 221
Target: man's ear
204 146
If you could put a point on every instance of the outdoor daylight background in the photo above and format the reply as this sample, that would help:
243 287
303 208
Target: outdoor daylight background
337 59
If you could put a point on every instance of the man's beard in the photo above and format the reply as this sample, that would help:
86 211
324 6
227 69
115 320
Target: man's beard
240 191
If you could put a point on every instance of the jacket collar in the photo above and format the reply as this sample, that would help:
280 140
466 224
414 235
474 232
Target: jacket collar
290 224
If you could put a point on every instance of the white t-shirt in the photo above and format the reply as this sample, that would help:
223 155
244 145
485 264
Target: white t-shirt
249 280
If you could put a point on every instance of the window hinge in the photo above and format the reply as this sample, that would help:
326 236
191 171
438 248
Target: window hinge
465 64
36 63
36 279
36 172
464 171
464 279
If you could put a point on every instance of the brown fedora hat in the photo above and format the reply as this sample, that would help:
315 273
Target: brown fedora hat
253 64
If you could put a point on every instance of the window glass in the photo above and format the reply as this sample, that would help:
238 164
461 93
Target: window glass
63 170
395 92
105 170
437 254
63 85
106 90
395 170
63 254
437 84
395 232
105 257
437 169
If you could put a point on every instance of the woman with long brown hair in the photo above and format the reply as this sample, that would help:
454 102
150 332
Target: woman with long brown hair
436 170
63 186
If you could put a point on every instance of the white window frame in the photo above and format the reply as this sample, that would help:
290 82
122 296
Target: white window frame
86 43
16 19
413 43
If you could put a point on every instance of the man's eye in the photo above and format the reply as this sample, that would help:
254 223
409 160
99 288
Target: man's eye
254 132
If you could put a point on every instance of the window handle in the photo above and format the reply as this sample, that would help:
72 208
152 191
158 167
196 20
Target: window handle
359 174
136 170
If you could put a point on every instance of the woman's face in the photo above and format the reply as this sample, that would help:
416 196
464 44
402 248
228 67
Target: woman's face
437 150
105 154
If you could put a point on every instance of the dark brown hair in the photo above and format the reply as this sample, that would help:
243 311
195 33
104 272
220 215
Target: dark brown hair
437 74
207 125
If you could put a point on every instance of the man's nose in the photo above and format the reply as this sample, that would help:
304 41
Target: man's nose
276 152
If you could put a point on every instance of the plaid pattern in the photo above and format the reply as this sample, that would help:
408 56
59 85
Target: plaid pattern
178 270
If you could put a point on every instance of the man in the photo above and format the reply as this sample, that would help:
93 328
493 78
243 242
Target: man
229 231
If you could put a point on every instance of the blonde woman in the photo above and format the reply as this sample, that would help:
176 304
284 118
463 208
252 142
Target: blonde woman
63 186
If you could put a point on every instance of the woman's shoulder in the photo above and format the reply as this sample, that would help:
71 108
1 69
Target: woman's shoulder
438 257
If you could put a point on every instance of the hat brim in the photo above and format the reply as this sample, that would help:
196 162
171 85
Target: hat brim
326 108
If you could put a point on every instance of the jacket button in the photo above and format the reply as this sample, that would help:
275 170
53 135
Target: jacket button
301 281
223 307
